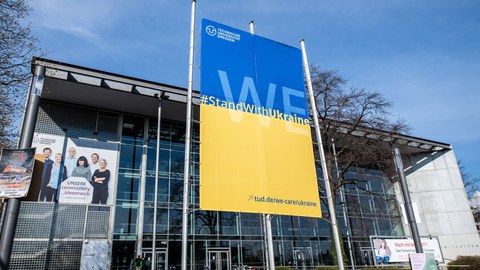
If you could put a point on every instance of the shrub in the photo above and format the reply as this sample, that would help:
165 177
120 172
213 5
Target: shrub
284 268
364 268
326 268
473 263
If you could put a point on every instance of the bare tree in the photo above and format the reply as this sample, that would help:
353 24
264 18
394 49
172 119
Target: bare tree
356 123
470 183
472 188
17 46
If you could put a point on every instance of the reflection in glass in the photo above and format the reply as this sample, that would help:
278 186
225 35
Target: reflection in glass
126 219
371 208
162 221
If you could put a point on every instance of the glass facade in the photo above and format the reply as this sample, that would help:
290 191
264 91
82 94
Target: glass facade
371 209
224 239
217 240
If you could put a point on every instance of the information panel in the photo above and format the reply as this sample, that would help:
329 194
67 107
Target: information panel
396 250
256 151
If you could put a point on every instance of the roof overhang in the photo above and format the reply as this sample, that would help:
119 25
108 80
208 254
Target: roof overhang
87 87
408 144
93 88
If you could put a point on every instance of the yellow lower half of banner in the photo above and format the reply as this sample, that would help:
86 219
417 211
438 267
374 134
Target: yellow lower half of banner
257 164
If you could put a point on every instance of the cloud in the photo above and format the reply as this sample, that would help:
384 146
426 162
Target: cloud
85 20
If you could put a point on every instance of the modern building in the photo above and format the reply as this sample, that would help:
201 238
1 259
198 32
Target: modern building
116 120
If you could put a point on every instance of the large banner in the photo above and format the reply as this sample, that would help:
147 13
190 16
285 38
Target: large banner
396 250
75 170
256 151
16 166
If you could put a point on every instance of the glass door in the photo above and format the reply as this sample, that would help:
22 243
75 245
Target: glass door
302 258
299 259
219 259
160 260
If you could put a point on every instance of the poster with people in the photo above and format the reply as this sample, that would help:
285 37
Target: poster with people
76 170
16 167
382 252
91 172
50 173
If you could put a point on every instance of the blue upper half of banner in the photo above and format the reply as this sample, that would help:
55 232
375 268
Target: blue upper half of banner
243 70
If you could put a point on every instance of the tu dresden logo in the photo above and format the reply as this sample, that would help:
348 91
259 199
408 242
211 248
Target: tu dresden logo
212 31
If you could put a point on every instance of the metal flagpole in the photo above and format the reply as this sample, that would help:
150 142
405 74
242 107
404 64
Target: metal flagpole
331 207
141 202
186 173
408 202
265 244
267 218
155 200
13 206
271 256
345 219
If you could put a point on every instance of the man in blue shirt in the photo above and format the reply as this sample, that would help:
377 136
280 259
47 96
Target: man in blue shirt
70 161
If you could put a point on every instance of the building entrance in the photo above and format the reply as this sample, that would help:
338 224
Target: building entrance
161 259
302 258
367 256
218 259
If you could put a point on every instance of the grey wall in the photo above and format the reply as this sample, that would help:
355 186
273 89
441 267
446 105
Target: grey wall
436 187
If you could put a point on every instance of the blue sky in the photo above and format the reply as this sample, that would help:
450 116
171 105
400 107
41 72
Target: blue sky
424 56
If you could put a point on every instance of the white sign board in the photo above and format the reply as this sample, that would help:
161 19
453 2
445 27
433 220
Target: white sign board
394 250
76 190
95 255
